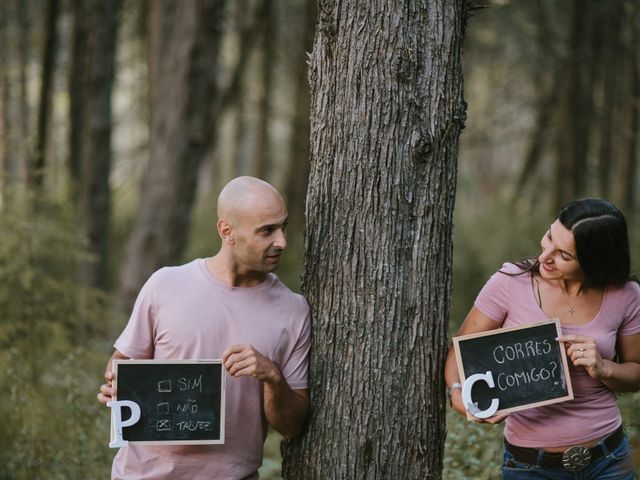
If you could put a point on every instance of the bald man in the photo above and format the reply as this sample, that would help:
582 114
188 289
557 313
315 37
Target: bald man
229 306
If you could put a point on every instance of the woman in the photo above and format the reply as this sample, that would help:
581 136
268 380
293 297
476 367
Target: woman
582 276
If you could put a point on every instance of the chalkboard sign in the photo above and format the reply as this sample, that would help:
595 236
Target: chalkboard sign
178 402
510 369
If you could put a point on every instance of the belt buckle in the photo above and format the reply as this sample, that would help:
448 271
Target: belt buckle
576 458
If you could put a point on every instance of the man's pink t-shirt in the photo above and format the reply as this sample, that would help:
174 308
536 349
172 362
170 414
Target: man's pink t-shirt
593 413
185 313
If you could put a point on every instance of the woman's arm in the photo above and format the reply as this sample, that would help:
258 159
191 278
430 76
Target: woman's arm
475 322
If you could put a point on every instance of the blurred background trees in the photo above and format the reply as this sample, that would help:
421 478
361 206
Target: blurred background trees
121 119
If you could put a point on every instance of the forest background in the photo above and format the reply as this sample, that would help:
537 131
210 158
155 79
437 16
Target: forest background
87 159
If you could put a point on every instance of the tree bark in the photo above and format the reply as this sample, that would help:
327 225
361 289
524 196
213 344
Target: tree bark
183 92
386 113
36 176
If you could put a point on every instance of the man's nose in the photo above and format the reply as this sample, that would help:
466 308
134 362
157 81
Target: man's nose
280 239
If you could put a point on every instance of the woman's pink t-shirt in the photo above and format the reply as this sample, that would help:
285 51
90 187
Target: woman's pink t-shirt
593 413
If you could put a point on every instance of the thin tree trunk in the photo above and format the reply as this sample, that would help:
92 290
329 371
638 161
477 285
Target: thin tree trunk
629 168
239 128
298 172
23 149
261 156
607 129
77 96
95 144
183 95
386 113
537 143
46 90
4 102
576 109
231 95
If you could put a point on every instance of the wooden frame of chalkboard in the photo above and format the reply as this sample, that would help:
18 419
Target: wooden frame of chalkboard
182 402
529 367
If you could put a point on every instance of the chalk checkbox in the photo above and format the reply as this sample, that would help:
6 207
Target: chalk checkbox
164 386
163 425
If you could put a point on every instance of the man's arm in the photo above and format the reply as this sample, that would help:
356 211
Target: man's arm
106 390
286 409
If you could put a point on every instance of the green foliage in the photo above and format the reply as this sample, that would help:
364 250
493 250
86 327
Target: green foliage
272 462
475 450
52 427
484 238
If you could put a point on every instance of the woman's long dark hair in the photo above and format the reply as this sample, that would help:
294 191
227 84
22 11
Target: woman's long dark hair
602 243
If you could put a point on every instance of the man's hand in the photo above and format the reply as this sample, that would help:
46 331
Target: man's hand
107 391
245 360
286 410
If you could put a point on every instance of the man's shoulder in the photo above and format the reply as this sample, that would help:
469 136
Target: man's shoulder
175 272
286 293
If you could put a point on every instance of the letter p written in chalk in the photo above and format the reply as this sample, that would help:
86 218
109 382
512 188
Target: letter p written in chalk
118 424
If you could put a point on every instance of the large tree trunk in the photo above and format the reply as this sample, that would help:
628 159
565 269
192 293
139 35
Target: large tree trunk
95 143
386 112
183 92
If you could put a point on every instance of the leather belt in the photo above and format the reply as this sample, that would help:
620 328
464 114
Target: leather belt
573 459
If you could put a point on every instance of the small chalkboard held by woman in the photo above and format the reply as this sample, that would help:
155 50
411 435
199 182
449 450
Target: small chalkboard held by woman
511 369
582 277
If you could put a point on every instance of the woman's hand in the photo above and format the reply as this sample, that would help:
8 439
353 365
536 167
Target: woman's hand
458 406
582 351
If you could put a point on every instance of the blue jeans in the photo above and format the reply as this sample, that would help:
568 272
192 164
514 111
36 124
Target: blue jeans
614 465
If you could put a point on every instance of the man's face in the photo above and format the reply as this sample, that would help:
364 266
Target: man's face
260 235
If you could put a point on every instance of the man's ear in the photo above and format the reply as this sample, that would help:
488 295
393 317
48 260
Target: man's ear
225 230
